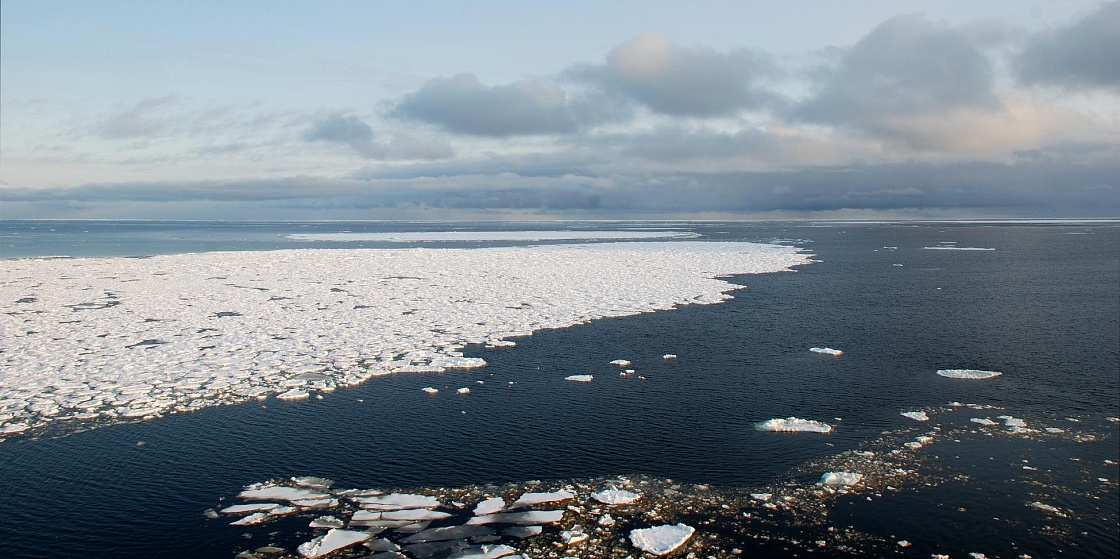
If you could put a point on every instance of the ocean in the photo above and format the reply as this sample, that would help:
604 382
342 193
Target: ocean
1037 302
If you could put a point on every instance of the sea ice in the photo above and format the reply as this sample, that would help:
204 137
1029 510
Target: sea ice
527 518
794 424
463 390
968 373
661 540
242 509
983 421
841 478
826 351
333 540
490 506
415 515
255 518
399 501
669 356
621 362
279 493
430 390
916 415
299 323
487 236
530 499
615 496
580 378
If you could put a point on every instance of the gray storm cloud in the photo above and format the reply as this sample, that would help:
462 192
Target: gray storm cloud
1085 54
465 105
354 132
905 67
683 81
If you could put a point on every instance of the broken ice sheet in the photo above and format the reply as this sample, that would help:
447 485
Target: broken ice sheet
192 296
333 540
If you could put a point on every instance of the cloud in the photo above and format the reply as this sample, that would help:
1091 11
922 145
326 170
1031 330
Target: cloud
465 105
354 132
907 67
680 81
142 120
1085 54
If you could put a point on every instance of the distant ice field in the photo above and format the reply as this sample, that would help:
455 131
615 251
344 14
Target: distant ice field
110 339
491 236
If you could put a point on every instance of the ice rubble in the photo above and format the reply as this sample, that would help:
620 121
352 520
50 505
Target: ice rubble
794 424
968 373
128 338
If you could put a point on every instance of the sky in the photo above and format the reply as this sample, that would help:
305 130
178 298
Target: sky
500 110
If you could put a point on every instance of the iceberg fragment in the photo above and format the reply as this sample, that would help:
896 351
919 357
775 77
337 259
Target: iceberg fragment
333 540
968 373
530 499
615 496
661 540
794 425
841 478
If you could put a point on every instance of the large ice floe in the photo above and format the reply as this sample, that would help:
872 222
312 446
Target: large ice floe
491 236
794 425
968 373
112 339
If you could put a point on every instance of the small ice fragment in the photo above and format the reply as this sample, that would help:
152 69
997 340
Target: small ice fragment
615 496
1045 507
430 390
312 481
333 540
326 522
490 506
621 362
242 509
463 391
761 496
975 555
530 499
255 518
580 378
827 351
294 394
1054 430
532 517
669 356
841 478
661 540
903 543
968 373
606 520
982 421
794 424
1014 422
573 537
487 552
916 415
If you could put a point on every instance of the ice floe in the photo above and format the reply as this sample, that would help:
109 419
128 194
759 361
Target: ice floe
118 339
537 498
841 478
333 540
794 425
615 496
916 415
580 378
968 373
661 540
827 351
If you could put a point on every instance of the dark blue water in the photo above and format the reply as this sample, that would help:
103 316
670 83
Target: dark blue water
1043 307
